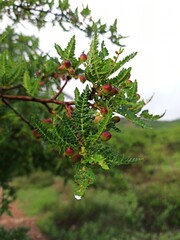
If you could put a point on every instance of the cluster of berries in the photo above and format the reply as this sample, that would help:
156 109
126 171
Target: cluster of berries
67 71
76 157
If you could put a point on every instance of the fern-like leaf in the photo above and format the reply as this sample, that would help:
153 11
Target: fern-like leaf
119 64
82 114
122 76
145 114
31 84
70 49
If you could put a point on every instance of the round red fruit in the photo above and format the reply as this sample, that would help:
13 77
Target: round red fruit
76 157
69 151
82 78
105 136
36 134
67 63
104 111
61 68
107 88
72 71
83 57
114 91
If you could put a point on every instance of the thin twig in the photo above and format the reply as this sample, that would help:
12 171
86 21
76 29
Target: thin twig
17 113
60 90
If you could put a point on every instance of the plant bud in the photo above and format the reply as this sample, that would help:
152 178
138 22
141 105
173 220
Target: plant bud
61 68
114 91
107 88
67 64
116 119
97 119
82 78
72 71
69 151
36 134
129 81
76 157
104 111
105 136
138 96
83 57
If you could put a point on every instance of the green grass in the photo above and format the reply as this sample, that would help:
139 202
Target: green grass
37 200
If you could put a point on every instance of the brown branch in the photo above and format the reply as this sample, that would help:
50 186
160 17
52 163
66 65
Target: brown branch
60 90
17 113
33 99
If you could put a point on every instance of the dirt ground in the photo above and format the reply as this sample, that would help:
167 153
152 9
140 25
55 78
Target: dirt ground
20 220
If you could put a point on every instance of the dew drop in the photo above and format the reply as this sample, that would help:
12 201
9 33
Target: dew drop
77 197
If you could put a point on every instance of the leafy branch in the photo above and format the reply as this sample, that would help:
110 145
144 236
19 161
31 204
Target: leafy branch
80 128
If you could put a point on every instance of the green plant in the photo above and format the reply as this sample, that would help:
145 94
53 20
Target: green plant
29 76
73 130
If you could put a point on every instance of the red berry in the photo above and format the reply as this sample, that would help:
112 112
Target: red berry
67 64
83 57
107 88
61 68
72 71
63 76
116 119
82 78
105 136
69 151
104 111
76 157
114 91
36 134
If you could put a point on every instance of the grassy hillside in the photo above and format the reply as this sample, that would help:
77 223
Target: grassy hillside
132 202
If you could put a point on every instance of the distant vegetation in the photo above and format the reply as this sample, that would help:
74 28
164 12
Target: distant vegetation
134 202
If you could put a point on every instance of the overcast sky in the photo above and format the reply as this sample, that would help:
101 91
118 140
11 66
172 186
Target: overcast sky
153 27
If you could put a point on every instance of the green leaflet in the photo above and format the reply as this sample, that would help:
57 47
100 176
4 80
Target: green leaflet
145 114
102 126
121 77
69 52
64 4
84 177
76 95
43 130
31 84
119 64
82 114
97 159
10 71
86 11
